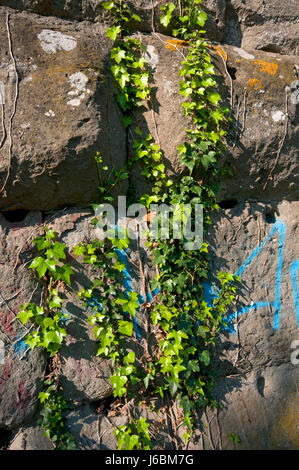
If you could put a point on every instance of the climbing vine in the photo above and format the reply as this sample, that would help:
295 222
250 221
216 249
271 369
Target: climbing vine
184 324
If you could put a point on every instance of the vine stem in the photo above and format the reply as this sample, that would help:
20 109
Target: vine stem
14 104
282 139
173 45
209 429
224 60
3 124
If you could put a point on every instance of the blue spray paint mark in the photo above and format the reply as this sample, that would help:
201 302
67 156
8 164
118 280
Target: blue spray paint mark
127 283
278 227
21 347
208 293
293 272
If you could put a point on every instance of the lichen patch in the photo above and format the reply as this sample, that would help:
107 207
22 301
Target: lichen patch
53 41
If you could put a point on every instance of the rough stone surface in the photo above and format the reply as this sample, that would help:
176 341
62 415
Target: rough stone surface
84 377
256 379
65 112
22 373
270 26
30 438
148 10
265 130
93 429
264 90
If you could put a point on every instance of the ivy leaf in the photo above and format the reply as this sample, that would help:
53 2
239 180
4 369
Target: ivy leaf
55 302
214 97
50 234
41 243
205 357
172 387
55 337
40 265
135 17
32 339
146 380
43 396
80 249
125 327
124 78
113 32
24 316
118 54
126 121
66 272
133 442
165 19
57 251
202 331
129 358
108 5
201 18
119 266
118 382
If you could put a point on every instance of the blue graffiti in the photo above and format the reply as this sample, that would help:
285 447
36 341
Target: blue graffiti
280 229
127 283
20 347
210 295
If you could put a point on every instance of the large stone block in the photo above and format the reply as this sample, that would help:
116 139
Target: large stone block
270 26
64 112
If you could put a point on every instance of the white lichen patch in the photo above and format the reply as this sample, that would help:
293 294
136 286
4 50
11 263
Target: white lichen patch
151 56
78 82
74 102
53 41
50 113
278 116
295 92
243 53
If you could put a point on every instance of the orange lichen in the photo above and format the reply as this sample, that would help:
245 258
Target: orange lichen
285 434
219 51
255 83
268 67
174 44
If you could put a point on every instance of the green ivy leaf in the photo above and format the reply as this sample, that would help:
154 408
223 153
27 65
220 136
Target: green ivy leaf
205 357
113 32
125 327
24 316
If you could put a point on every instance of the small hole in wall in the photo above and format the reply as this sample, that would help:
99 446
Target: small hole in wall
260 385
15 216
104 405
228 203
232 71
5 437
270 217
271 48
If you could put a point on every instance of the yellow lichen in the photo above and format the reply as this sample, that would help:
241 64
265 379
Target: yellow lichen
174 44
221 52
286 431
255 83
268 67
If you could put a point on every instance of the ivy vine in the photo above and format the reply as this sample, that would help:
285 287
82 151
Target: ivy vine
186 327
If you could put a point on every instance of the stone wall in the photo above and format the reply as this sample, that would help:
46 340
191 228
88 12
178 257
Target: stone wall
60 109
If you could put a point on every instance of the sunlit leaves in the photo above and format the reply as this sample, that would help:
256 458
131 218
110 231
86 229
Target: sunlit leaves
167 13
